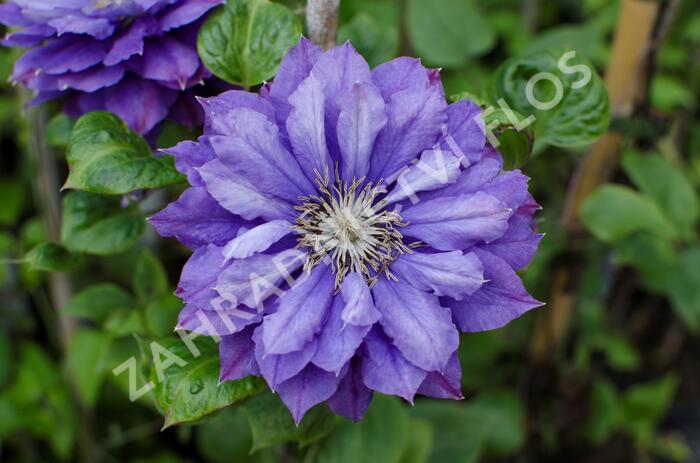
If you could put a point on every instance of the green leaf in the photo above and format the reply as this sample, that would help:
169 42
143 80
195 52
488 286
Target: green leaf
420 442
637 412
225 437
150 280
502 414
125 323
515 143
12 202
98 224
457 437
272 424
87 362
190 392
99 302
684 287
448 32
668 93
51 257
654 257
244 41
575 117
58 131
376 42
492 424
605 412
39 402
161 314
667 186
382 435
106 157
613 212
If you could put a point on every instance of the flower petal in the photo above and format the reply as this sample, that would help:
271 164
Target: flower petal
310 387
189 155
238 195
339 70
502 299
255 151
352 398
518 245
279 368
359 307
92 79
337 342
155 102
435 169
295 67
386 370
447 385
414 123
183 13
419 327
251 281
399 74
257 239
289 329
72 54
466 133
166 59
100 28
205 311
218 110
450 274
237 354
361 118
196 219
457 222
306 127
130 41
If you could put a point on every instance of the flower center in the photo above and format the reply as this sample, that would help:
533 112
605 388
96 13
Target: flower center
346 222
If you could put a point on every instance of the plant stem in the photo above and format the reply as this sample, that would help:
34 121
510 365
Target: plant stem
48 201
322 22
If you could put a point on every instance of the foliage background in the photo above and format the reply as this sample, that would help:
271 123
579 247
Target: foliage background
607 371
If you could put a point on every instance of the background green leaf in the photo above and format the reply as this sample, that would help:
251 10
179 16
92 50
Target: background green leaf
272 424
613 212
381 436
99 224
244 41
52 257
448 32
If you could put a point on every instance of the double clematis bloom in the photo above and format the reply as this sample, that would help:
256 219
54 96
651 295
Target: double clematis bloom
346 225
135 58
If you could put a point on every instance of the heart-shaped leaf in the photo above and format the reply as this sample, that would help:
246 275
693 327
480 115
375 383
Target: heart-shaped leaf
106 157
244 41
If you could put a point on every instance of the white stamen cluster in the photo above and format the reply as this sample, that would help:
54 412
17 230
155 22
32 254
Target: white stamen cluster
345 223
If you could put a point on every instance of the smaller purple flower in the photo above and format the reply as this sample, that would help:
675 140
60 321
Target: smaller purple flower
135 58
346 225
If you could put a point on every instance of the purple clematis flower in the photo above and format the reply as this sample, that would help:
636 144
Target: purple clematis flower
346 225
135 58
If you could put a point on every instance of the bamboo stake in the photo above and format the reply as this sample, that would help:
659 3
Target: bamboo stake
625 78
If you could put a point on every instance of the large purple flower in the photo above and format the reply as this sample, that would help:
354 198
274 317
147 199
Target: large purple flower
135 58
346 225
